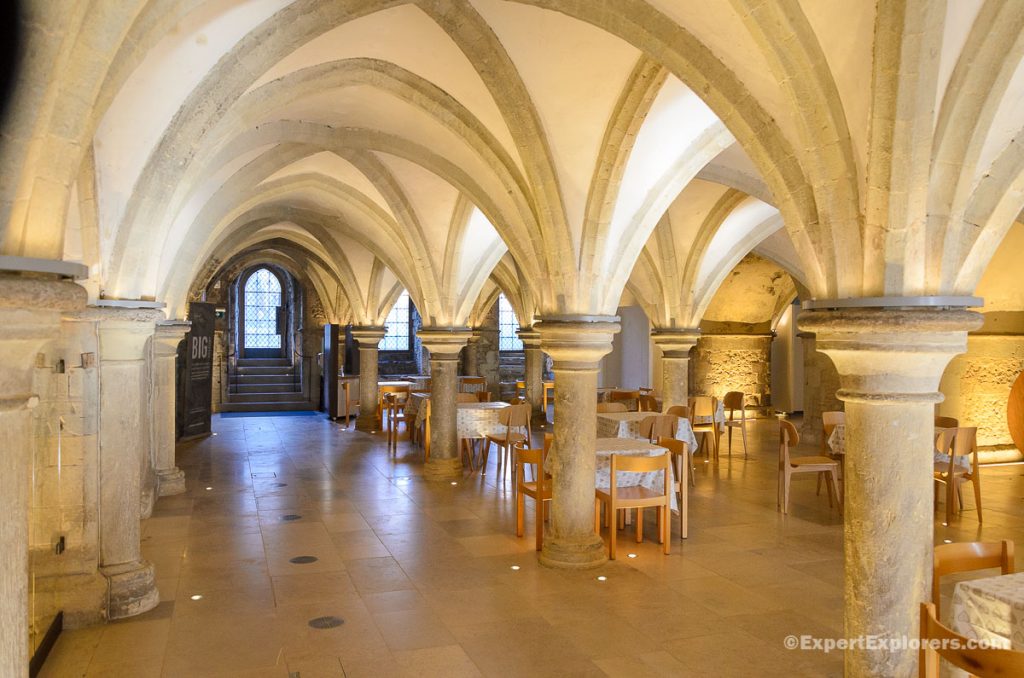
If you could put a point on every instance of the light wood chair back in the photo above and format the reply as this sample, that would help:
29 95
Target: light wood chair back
647 403
612 407
703 406
465 397
682 469
965 444
939 640
617 498
539 489
829 421
734 400
483 396
515 416
401 394
968 556
472 384
426 430
679 411
788 436
517 400
659 426
619 396
947 422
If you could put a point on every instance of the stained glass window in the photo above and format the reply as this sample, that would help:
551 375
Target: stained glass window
397 324
508 325
262 299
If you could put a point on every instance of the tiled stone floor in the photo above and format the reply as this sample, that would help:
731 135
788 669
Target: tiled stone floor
422 574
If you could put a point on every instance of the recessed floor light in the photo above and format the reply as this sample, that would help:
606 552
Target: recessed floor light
454 483
947 541
196 597
515 567
208 489
945 524
602 578
631 555
215 433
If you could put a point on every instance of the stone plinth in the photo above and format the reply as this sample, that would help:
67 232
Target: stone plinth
170 479
124 447
368 338
889 363
30 314
734 362
576 346
444 345
675 345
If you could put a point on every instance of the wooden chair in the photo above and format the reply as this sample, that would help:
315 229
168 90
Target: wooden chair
401 394
679 411
705 407
463 397
539 490
612 407
789 466
516 421
483 396
967 556
426 431
829 421
394 414
648 403
472 384
624 396
518 400
952 474
682 466
941 641
521 389
947 422
615 498
734 401
658 426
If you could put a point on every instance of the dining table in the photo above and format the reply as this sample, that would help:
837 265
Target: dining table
990 609
627 425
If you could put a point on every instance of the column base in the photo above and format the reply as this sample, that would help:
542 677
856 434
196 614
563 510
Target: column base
170 481
367 423
574 555
443 469
147 500
131 589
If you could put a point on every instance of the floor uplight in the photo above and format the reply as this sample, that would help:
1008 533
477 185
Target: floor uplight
631 555
602 578
196 597
515 567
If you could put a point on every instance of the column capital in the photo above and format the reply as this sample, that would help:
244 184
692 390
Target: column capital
168 335
529 336
890 354
444 343
368 334
123 331
577 342
676 342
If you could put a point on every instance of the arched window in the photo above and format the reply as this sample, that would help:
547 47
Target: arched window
262 299
508 326
398 325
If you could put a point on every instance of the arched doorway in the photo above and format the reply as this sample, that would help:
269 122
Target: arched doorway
263 315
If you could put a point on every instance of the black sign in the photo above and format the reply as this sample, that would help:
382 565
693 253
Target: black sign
198 374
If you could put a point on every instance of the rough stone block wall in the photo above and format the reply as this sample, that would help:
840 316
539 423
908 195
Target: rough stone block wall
733 362
977 388
821 382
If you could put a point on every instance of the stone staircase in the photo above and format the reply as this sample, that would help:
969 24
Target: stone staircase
264 385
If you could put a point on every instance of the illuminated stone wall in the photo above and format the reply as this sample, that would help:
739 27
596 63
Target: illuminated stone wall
821 381
732 362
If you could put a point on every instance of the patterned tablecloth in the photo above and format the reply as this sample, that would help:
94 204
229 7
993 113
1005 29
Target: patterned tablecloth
414 410
474 420
606 447
837 443
627 425
990 609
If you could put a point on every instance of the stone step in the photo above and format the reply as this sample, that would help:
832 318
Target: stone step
267 407
262 387
264 362
262 378
258 397
269 369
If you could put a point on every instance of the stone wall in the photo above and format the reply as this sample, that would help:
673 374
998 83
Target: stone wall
977 387
821 382
732 362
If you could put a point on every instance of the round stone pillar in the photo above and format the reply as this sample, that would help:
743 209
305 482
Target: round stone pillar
576 345
444 345
124 445
472 359
821 383
368 338
534 376
889 363
30 314
675 345
170 479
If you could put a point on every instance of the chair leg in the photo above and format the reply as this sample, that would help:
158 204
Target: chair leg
835 489
950 492
639 524
829 488
817 492
743 434
666 527
539 518
597 516
977 496
520 509
785 495
613 533
730 441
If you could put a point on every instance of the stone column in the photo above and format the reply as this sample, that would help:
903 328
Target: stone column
30 314
534 376
368 338
734 362
444 345
675 345
170 479
821 383
889 363
472 362
576 344
124 382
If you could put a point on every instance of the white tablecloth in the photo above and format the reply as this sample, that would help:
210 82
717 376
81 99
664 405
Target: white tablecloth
990 609
837 443
627 425
477 420
606 447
